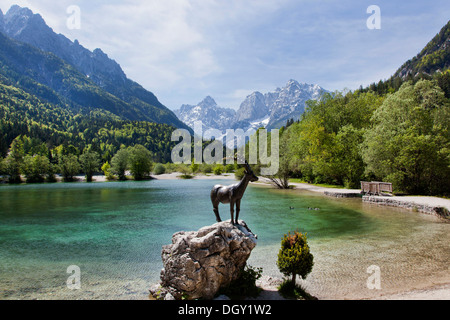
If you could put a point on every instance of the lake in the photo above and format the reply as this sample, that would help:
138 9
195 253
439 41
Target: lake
114 233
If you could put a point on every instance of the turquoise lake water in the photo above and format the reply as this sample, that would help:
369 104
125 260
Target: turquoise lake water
114 232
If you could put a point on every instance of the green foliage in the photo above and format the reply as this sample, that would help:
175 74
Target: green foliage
14 161
245 285
159 169
409 143
119 164
69 167
281 179
229 168
106 168
51 126
206 168
185 170
90 163
140 162
435 56
294 257
36 168
2 167
324 146
46 76
218 170
401 137
195 167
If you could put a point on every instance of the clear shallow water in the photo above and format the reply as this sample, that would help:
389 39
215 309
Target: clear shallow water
114 232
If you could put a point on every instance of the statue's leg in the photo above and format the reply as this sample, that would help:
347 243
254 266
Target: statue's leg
232 211
216 212
215 202
238 210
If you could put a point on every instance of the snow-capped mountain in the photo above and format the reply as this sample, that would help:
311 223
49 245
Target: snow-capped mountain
290 102
209 113
270 110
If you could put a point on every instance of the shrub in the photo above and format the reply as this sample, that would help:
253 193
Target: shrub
218 170
194 167
229 168
185 170
159 169
294 257
106 168
206 168
245 285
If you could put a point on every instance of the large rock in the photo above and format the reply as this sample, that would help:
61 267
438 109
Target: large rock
198 264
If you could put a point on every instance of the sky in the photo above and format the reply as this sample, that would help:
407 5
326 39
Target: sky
185 50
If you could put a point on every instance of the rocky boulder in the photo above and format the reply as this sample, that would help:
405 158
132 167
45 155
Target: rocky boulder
197 264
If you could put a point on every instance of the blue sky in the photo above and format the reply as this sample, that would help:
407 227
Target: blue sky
184 50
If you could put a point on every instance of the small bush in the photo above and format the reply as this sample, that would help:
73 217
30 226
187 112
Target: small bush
159 169
206 168
218 170
229 168
294 257
186 177
245 285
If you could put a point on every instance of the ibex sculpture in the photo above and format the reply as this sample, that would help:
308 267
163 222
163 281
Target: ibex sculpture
232 194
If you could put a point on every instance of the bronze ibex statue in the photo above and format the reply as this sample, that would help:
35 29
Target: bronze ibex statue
232 194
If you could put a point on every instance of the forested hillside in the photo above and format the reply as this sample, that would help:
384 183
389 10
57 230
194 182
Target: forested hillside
55 69
24 114
434 57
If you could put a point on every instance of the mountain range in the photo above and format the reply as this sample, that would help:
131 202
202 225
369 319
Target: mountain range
61 72
55 69
270 110
273 109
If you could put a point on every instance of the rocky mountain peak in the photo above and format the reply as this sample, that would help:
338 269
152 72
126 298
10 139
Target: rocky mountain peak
253 107
270 110
16 11
2 21
208 102
17 19
292 83
22 25
208 112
